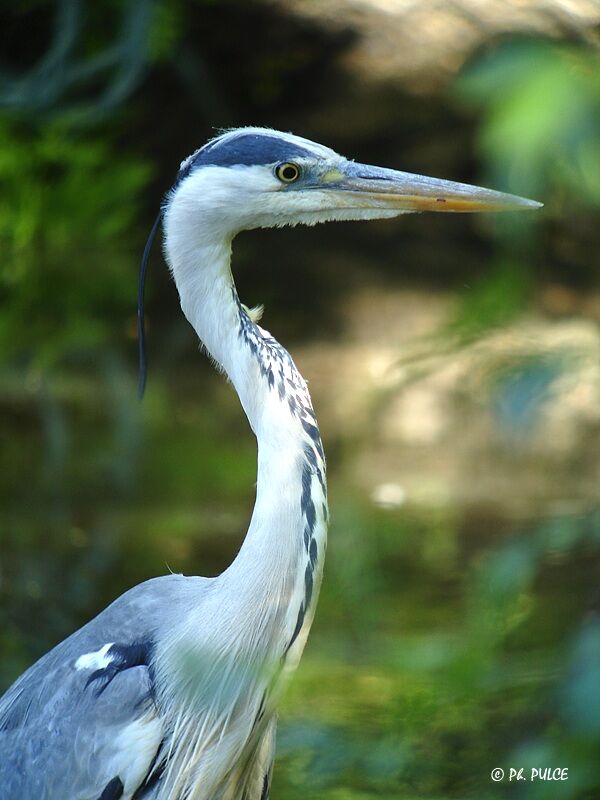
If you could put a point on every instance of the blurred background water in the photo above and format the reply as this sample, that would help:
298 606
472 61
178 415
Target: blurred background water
454 364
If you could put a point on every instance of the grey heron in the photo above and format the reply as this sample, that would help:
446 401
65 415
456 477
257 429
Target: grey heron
171 691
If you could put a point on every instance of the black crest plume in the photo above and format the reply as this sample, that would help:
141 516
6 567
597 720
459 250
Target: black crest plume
141 329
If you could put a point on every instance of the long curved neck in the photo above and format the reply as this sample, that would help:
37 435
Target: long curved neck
280 561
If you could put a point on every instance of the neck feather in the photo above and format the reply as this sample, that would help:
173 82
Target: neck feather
280 561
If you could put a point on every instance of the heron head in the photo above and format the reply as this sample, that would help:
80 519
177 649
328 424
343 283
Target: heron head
259 178
256 178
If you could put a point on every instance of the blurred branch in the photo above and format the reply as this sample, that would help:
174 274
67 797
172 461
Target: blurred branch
60 73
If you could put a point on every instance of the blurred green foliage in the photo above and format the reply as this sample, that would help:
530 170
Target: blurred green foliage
540 132
493 299
470 684
437 654
67 200
539 136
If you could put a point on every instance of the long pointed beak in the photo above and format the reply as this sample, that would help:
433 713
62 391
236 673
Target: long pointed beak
364 186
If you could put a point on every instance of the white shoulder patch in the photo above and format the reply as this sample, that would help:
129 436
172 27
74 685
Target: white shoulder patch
97 660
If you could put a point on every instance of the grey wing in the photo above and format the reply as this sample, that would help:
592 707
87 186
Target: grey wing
82 722
83 742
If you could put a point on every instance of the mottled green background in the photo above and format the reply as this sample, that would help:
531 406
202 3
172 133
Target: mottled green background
458 627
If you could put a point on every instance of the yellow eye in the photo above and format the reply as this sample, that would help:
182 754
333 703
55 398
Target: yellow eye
288 172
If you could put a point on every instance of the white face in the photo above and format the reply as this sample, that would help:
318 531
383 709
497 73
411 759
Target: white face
246 197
